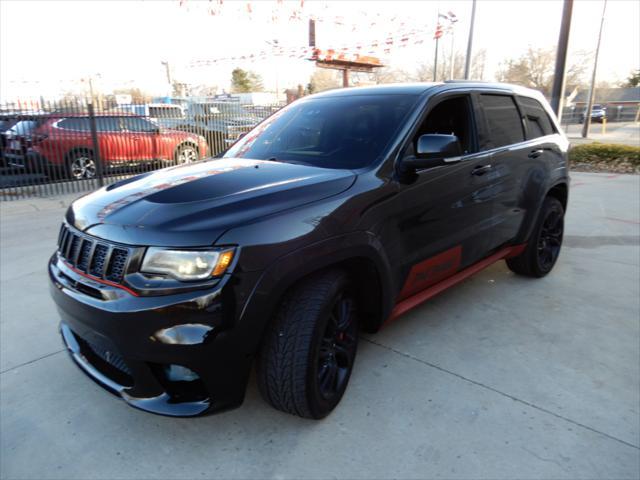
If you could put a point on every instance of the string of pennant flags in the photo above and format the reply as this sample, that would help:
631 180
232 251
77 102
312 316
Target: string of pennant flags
353 52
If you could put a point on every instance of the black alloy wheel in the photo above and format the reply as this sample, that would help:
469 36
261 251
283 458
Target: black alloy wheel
337 348
309 348
545 242
550 239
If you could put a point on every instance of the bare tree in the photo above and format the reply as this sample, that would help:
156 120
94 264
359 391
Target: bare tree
424 72
390 75
323 79
478 65
535 69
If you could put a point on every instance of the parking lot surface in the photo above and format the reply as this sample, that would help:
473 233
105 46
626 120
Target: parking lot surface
623 133
499 377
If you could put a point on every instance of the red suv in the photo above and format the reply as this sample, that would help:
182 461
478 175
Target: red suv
66 142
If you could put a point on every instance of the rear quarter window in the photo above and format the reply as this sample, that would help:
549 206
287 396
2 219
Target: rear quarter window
503 120
536 117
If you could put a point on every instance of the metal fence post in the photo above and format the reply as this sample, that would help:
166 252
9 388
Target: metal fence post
96 146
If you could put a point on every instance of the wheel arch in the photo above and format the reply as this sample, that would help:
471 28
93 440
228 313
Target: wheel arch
364 262
184 143
537 194
77 149
560 191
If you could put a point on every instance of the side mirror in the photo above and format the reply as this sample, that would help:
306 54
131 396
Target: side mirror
433 149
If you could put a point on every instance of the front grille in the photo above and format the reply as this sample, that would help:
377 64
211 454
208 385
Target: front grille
118 262
92 255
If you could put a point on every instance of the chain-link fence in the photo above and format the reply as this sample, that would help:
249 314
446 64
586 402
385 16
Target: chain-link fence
77 145
612 112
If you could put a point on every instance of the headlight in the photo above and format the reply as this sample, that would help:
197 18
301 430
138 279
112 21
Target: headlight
186 264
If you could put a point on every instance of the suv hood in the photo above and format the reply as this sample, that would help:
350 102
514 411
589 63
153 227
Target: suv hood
192 205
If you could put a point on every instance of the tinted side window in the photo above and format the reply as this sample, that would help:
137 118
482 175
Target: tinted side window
538 122
452 116
503 120
135 124
78 124
109 124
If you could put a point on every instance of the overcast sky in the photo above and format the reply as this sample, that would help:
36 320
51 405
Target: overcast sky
48 46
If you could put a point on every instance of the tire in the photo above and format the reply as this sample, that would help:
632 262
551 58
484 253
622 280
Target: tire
545 243
186 154
309 348
81 165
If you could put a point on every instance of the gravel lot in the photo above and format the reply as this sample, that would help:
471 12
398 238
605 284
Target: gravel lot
500 377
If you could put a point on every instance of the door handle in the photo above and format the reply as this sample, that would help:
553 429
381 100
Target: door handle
480 170
536 153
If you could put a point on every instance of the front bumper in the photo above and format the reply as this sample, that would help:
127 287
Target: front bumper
126 344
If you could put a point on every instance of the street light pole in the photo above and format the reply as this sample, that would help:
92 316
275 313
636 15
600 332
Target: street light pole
592 88
467 61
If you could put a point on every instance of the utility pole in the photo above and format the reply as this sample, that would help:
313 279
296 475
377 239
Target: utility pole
168 71
435 61
437 35
557 91
452 59
467 62
592 88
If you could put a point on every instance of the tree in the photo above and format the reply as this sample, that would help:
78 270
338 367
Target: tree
243 81
323 79
478 65
535 69
390 75
633 80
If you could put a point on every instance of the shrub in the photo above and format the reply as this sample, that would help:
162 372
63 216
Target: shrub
606 157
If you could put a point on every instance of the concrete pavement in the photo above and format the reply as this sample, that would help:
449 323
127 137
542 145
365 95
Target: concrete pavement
500 377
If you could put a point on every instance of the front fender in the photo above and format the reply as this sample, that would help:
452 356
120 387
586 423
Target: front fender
287 270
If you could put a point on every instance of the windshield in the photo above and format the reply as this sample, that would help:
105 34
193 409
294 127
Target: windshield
23 127
338 132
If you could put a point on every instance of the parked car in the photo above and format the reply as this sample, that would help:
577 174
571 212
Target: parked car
7 120
65 142
221 123
338 213
164 115
598 114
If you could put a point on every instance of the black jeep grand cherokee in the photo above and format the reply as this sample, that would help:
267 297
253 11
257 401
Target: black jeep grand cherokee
340 212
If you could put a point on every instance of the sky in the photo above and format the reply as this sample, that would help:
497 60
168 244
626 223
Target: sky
49 47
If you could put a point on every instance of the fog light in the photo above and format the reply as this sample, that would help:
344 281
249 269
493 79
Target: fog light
178 373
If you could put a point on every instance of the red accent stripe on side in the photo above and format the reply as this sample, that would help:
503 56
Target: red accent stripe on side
432 271
409 303
100 280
